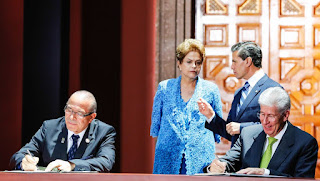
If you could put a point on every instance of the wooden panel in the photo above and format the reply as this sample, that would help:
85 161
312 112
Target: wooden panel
316 10
216 7
291 8
216 35
249 32
214 65
250 7
174 24
290 66
316 35
292 37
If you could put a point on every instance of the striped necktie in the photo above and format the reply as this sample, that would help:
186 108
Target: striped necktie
74 147
244 93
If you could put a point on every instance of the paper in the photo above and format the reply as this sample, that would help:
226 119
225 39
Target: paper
236 175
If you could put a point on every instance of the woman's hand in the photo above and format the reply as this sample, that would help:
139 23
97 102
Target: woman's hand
205 108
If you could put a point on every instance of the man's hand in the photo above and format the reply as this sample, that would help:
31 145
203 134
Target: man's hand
205 108
252 171
29 163
61 165
233 128
217 166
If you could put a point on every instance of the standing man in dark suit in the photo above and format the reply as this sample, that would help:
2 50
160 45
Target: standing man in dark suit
76 141
246 64
275 147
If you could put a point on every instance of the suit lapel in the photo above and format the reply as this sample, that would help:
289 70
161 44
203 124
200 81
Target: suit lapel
60 149
235 105
253 93
283 149
255 153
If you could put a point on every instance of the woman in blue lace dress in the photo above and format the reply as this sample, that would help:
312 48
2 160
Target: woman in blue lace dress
184 145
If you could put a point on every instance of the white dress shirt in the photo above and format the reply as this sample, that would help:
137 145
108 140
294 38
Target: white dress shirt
70 141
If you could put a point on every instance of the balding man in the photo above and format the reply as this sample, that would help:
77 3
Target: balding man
75 142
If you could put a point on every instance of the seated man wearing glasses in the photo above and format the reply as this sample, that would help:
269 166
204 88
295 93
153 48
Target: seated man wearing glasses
275 147
75 142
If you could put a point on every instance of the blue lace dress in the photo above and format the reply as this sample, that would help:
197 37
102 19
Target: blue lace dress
180 127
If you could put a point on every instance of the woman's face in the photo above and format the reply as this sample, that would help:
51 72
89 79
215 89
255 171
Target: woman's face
191 65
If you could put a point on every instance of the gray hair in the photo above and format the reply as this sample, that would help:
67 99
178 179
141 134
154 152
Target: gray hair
275 96
249 49
86 95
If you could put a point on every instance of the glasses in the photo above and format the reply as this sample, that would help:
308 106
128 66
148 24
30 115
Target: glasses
270 117
78 115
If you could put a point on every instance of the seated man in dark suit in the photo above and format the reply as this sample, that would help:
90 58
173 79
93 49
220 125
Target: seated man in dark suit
274 147
76 141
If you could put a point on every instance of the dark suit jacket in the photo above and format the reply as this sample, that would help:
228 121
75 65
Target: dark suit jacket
248 112
295 156
50 143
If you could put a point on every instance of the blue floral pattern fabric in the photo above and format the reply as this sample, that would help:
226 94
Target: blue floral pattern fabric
180 127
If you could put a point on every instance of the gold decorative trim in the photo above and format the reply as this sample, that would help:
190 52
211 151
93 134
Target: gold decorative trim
316 10
216 7
291 8
250 7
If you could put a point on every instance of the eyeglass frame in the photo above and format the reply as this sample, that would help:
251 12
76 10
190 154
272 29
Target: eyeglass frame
268 116
77 113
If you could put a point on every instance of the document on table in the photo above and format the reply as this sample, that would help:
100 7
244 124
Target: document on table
42 170
235 175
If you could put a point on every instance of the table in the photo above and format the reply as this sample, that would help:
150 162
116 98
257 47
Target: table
7 176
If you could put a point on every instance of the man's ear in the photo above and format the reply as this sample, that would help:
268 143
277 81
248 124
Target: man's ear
93 115
286 115
248 61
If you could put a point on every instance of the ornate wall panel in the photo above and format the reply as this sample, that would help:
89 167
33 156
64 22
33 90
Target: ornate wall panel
289 67
249 32
250 7
305 92
316 33
214 65
292 36
216 35
216 7
316 10
317 63
291 8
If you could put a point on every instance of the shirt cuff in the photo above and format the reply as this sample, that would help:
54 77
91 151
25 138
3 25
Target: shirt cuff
266 172
208 169
19 167
212 117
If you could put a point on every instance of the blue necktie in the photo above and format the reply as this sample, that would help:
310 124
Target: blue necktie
74 147
244 93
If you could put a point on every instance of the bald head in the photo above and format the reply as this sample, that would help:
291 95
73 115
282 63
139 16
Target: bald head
85 96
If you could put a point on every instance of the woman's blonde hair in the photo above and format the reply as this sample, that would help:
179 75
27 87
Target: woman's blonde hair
187 46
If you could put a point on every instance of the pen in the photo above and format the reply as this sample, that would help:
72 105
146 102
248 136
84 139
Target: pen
31 155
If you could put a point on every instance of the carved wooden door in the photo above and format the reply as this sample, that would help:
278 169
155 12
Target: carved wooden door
288 32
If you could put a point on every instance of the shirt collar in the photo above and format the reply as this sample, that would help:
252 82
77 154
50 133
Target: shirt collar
256 77
81 134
